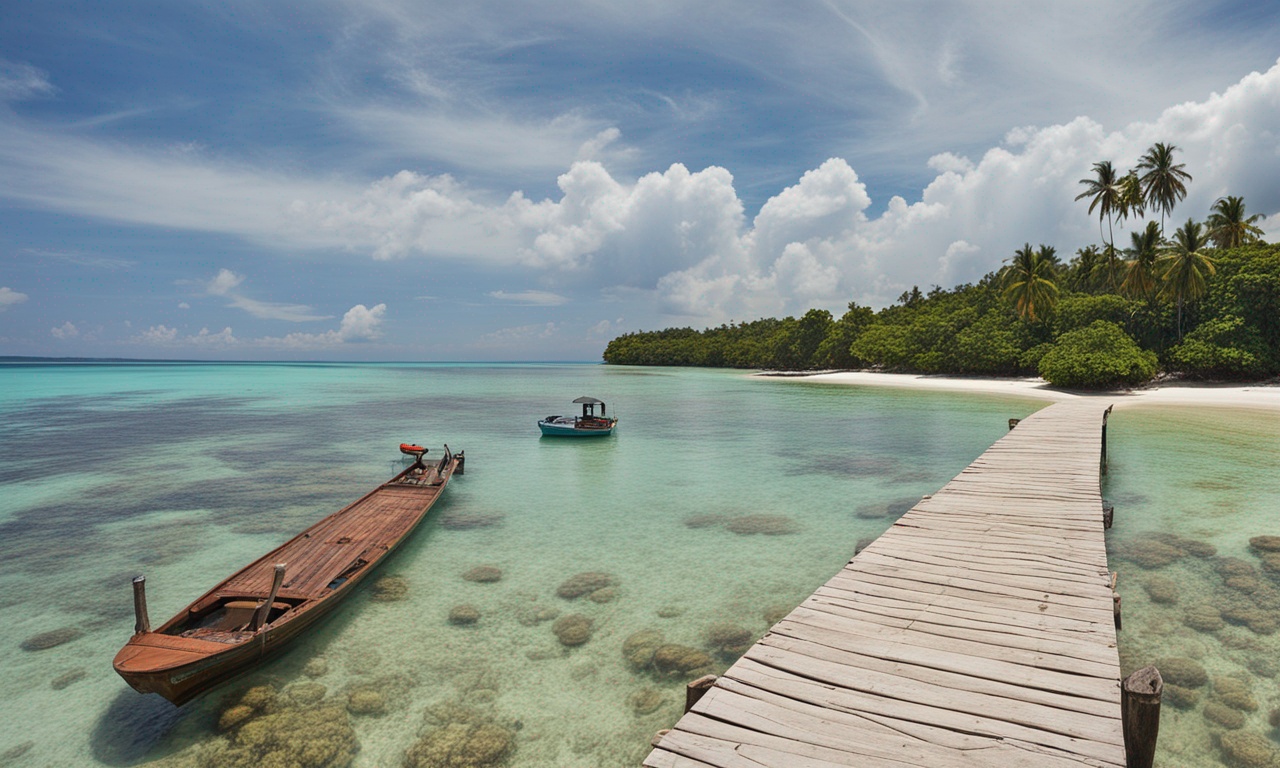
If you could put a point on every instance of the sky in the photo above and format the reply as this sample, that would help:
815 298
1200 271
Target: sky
413 180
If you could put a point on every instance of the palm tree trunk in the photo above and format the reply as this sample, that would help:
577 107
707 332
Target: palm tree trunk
1179 320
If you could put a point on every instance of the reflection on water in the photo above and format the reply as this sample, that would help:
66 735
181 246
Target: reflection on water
587 581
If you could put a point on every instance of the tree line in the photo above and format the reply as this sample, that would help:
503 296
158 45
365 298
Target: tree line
1203 303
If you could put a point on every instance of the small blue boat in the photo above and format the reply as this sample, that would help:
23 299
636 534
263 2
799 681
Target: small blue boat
586 425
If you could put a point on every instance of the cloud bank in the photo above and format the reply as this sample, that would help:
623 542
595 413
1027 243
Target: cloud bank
679 240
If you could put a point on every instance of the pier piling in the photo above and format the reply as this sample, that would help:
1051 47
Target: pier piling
1140 710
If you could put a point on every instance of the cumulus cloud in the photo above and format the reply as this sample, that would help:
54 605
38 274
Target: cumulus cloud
10 297
65 331
225 284
359 324
158 335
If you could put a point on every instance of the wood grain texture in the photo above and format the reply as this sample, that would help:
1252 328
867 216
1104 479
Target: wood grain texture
977 631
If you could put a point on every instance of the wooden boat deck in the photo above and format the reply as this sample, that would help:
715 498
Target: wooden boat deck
362 531
977 631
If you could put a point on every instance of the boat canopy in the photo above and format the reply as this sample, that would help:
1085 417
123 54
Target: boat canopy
589 406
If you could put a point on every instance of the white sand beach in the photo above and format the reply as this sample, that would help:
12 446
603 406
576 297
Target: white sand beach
1254 396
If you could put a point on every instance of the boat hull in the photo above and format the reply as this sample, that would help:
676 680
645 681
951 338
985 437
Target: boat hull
564 430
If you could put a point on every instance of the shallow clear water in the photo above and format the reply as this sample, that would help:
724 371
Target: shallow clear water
187 472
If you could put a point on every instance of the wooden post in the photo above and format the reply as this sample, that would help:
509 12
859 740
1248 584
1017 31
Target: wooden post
264 611
141 622
1013 423
694 690
1102 468
1115 602
1108 514
1140 715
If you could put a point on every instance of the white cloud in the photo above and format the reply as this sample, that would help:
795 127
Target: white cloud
183 305
225 284
10 297
359 324
534 298
204 338
158 335
22 81
65 331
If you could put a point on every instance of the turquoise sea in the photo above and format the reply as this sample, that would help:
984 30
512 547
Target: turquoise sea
721 500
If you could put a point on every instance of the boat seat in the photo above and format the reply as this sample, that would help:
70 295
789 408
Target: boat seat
238 613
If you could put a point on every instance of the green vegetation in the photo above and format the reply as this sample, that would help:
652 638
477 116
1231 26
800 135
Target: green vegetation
1102 355
1204 303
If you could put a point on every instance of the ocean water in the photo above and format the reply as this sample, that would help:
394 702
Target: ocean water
721 499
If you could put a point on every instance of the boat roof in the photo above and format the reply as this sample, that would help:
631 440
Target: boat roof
588 401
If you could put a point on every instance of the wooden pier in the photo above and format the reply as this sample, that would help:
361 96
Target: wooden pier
979 630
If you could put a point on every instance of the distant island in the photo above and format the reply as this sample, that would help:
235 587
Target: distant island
1201 303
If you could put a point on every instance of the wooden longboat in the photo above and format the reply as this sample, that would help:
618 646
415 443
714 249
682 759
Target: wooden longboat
269 602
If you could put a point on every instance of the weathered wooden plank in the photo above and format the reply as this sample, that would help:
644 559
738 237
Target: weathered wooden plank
910 648
836 696
1086 647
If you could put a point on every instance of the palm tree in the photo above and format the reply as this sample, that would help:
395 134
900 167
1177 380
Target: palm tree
1131 202
1228 226
1163 181
1103 191
1140 272
1030 282
1184 267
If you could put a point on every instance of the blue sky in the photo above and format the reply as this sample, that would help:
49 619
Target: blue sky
391 180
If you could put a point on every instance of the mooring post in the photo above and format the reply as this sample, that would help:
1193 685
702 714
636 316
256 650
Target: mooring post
461 465
695 690
1115 603
1102 468
1013 423
141 621
1140 715
1108 514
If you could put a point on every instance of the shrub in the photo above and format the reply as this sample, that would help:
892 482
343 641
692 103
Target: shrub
1096 357
1223 348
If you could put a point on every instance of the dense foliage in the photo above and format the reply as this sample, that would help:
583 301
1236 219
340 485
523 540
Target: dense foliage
1092 335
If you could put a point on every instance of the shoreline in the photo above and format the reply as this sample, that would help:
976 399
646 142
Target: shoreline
1252 396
